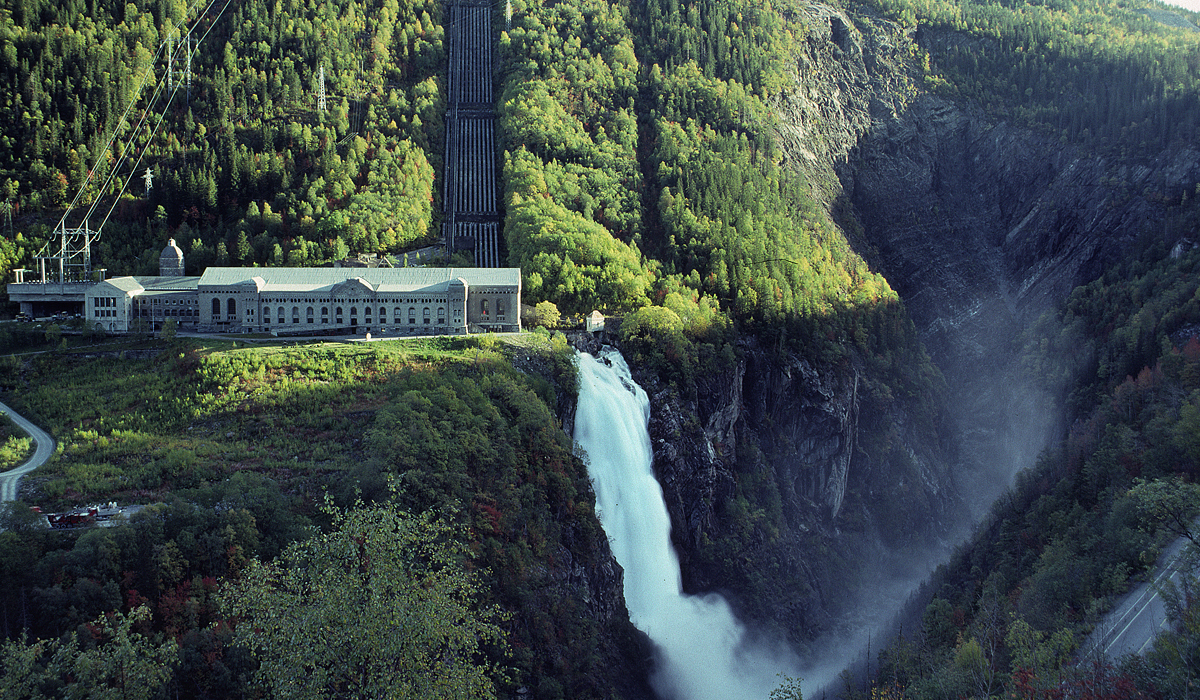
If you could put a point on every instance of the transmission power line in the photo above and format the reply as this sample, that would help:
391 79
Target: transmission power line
74 244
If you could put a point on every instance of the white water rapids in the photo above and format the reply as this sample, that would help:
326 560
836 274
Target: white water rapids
702 650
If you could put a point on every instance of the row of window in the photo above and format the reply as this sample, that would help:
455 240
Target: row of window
396 300
231 308
167 312
397 312
354 321
485 309
398 315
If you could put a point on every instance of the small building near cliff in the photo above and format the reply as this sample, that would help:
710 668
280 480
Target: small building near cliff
594 322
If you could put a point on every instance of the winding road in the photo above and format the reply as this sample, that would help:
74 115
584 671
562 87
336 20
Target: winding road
45 448
1134 623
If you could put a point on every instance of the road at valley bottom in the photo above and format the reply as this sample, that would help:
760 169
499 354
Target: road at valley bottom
1134 623
10 479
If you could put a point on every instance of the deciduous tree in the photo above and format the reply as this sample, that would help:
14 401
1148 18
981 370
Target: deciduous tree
380 606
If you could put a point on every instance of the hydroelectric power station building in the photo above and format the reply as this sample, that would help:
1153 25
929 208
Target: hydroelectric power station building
289 300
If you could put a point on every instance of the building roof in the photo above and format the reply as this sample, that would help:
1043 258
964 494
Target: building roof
156 283
124 284
148 284
171 252
382 280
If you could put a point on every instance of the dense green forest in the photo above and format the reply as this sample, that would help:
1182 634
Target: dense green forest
1012 609
198 433
246 168
723 239
1107 75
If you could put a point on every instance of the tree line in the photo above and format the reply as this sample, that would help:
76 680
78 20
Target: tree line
1108 76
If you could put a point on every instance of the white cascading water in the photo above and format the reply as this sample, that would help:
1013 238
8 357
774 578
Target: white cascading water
703 654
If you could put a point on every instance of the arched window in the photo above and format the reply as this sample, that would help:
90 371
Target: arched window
324 314
483 306
367 313
397 313
338 314
216 307
383 314
231 307
426 315
281 319
441 315
295 314
310 314
500 307
412 315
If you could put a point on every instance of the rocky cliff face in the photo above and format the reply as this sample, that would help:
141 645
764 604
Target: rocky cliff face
760 471
800 421
980 225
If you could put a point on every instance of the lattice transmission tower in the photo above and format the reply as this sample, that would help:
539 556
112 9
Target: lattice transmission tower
321 88
69 258
171 60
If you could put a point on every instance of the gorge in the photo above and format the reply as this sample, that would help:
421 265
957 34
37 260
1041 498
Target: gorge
867 259
984 225
704 653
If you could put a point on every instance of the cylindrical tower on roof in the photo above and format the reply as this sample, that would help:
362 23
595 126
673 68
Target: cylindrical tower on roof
170 261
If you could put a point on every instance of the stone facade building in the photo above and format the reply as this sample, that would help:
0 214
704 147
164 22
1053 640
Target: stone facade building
423 301
317 300
117 304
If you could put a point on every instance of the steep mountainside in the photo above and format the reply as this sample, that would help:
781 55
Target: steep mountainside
981 223
794 206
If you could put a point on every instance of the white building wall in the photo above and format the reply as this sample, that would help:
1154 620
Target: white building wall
108 306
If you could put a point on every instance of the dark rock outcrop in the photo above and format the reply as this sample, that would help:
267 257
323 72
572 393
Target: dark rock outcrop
980 224
763 459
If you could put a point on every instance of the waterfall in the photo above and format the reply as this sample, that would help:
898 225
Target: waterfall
703 653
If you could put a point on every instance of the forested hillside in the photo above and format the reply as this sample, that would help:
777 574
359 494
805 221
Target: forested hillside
246 169
1107 75
718 173
1012 609
235 452
642 164
1106 89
